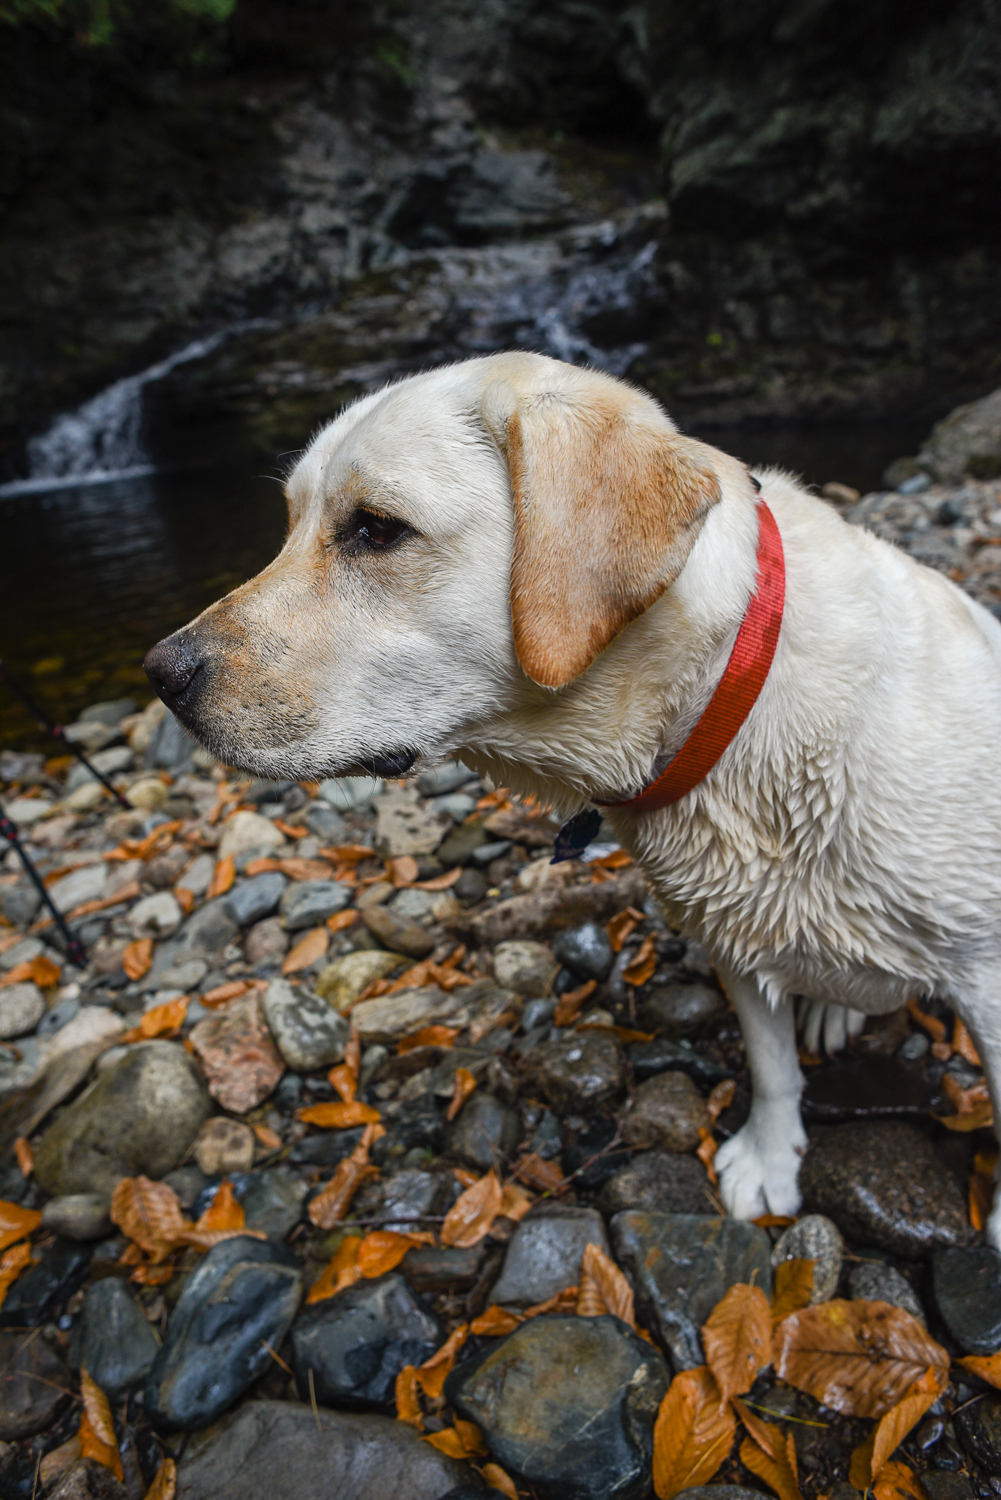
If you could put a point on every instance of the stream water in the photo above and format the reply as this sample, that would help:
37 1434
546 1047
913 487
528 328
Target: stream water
104 552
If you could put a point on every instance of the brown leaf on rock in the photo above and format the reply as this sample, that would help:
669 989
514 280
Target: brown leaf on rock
564 1301
621 925
930 1024
12 1263
571 1003
223 1212
792 1288
164 1486
536 1172
25 1156
342 920
269 1139
515 1202
465 1083
869 1459
603 1288
962 1042
777 1469
329 1207
433 1373
307 951
469 1219
979 1117
137 959
898 1482
440 882
16 1223
340 1116
464 1440
706 1152
408 1406
148 1213
643 965
159 1020
428 1036
45 972
858 1358
92 1447
383 1249
499 1479
495 1322
692 1435
221 994
344 1079
98 1409
340 1272
721 1097
987 1366
737 1339
402 871
352 1053
223 877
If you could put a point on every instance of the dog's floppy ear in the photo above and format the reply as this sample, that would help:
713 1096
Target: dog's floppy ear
608 501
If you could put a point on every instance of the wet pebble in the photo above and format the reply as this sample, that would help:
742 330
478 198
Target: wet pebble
41 1291
662 1055
273 1202
307 903
813 1238
680 1266
77 1216
355 1344
884 1183
471 887
324 1150
308 1032
21 1009
115 1343
157 916
343 980
398 933
246 831
35 1385
967 1285
659 1182
677 1008
580 1072
979 1429
242 1296
874 1282
224 1146
252 900
547 1141
667 1113
544 1253
411 1195
567 1404
527 968
432 1268
485 1132
241 1063
267 942
586 950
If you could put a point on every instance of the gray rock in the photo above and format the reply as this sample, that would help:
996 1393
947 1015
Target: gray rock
115 1343
276 1448
156 916
586 950
398 933
579 1073
938 1484
547 1141
544 1253
351 793
585 1438
88 1480
40 1293
241 1297
36 1384
308 1033
108 762
471 887
273 1202
266 943
966 443
111 711
485 1132
59 1016
139 1116
78 1216
485 854
355 1344
527 968
307 903
873 1282
439 1268
967 1286
666 1112
719 1492
21 1009
979 1428
677 1008
458 806
460 845
659 1182
681 1265
447 777
170 747
19 902
328 826
85 884
663 1055
813 1238
412 1195
882 1182
250 900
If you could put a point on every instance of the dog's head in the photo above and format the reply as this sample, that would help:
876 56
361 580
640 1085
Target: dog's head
492 521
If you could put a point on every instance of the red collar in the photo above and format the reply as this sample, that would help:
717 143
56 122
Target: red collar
737 690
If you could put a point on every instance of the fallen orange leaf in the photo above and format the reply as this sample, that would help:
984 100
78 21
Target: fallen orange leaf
564 1301
164 1486
571 1003
25 1156
160 1020
44 972
603 1288
793 1287
440 882
898 1482
692 1434
464 1440
987 1366
16 1223
12 1263
92 1447
706 1152
643 965
498 1479
465 1083
428 1036
223 993
535 1171
515 1202
979 1118
97 1428
617 860
329 1207
777 1469
344 1078
340 1272
931 1024
495 1322
433 1373
137 959
981 1196
342 920
408 1406
383 1249
269 1139
402 870
469 1219
340 1116
962 1042
185 900
737 1339
222 877
223 1212
17 974
869 1459
621 926
307 951
721 1097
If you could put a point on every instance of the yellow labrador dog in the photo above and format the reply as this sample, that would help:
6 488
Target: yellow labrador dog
524 562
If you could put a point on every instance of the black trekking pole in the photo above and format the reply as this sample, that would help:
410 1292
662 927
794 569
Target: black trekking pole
74 948
57 732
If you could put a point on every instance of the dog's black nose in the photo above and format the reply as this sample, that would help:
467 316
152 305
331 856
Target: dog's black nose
171 667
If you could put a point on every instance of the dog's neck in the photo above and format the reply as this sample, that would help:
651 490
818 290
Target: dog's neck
613 730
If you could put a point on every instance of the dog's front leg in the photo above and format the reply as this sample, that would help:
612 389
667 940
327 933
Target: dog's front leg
758 1167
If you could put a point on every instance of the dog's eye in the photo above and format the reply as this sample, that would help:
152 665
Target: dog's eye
368 531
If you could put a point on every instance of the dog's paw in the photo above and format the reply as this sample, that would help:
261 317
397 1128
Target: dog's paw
758 1168
825 1027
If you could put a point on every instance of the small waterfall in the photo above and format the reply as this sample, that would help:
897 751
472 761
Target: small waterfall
102 439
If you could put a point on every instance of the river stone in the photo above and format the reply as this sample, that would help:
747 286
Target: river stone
883 1183
116 1345
579 1072
38 1295
412 1195
403 826
241 1297
440 1268
967 1286
658 1182
278 1448
357 1343
813 1238
78 1216
86 884
273 1202
251 900
207 931
139 1116
343 980
567 1404
351 793
325 1150
485 1132
242 1064
86 1480
398 932
21 1008
527 968
678 1008
391 1016
666 1112
307 903
156 916
328 826
544 1253
224 1146
267 942
35 1385
662 1055
307 1032
447 777
719 1492
979 1428
681 1265
586 950
244 831
462 843
874 1282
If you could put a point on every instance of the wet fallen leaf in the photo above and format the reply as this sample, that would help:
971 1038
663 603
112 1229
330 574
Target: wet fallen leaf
340 1116
383 1249
792 1287
980 1117
344 1079
97 1427
706 1152
898 1482
297 868
572 1002
352 1052
498 1479
223 877
408 1406
962 1042
402 871
433 1373
464 1440
621 926
469 1219
223 1212
17 975
495 1322
137 959
341 920
737 1339
44 972
692 1435
536 1172
92 1447
777 1469
16 1223
340 1272
159 1020
269 1139
617 860
329 1207
603 1288
223 993
564 1301
149 1214
859 1358
721 1097
981 1196
12 1263
25 1156
965 1101
465 1083
428 1036
185 900
464 1176
987 1366
164 1486
774 1221
931 1024
440 882
307 951
643 965
869 1459
515 1202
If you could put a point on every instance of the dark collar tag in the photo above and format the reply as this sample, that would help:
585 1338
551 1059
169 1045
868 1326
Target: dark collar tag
574 837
